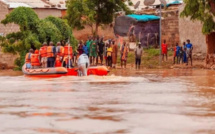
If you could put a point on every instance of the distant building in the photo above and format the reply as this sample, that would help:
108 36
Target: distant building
43 8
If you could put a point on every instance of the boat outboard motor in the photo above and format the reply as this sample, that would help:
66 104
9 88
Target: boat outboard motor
83 65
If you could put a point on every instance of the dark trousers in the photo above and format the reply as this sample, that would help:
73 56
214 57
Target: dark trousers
138 61
109 61
51 62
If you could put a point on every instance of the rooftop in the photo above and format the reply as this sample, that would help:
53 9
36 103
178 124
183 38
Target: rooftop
59 4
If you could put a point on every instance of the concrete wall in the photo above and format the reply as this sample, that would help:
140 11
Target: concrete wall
43 13
192 30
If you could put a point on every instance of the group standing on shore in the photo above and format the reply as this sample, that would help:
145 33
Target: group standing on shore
182 54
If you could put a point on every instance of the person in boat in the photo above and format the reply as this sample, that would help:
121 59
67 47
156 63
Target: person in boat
35 60
59 55
109 55
114 54
43 55
28 59
68 54
93 51
51 51
124 54
101 46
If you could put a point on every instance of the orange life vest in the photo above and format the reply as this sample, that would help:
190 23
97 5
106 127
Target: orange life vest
43 51
27 59
50 52
68 51
61 51
58 62
35 60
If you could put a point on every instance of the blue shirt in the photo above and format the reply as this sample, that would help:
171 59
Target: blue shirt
189 45
85 48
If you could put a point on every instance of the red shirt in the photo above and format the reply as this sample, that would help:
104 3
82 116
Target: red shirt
164 48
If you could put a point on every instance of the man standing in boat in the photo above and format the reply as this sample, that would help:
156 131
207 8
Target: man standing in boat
28 59
59 55
51 54
43 55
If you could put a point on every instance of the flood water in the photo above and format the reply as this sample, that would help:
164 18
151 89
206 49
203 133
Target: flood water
126 102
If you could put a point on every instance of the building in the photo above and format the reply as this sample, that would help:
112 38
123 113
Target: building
43 8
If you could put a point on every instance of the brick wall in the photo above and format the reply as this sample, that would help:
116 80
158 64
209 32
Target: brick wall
170 28
6 60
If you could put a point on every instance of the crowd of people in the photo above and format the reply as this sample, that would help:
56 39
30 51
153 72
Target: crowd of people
182 54
96 48
98 51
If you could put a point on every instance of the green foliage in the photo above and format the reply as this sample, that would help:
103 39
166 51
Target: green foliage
93 12
152 52
33 32
26 18
200 10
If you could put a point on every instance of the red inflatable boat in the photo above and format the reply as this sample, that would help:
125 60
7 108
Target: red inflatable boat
61 71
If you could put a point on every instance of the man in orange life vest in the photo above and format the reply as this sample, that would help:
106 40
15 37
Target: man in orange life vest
59 55
51 55
164 50
68 53
43 55
35 60
28 59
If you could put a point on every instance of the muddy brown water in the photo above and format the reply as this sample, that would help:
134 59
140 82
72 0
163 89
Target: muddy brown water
126 102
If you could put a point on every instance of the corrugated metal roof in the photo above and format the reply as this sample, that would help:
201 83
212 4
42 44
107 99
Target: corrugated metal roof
141 6
15 5
58 3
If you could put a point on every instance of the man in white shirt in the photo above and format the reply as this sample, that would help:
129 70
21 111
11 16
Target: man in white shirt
138 55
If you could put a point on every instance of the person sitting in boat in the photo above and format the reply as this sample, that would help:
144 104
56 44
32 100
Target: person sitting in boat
35 60
51 55
59 55
43 55
67 60
28 59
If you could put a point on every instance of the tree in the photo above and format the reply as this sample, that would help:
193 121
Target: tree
33 32
202 10
93 12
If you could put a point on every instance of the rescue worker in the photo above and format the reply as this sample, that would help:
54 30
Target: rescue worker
164 50
35 60
28 59
68 53
51 55
43 55
59 55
